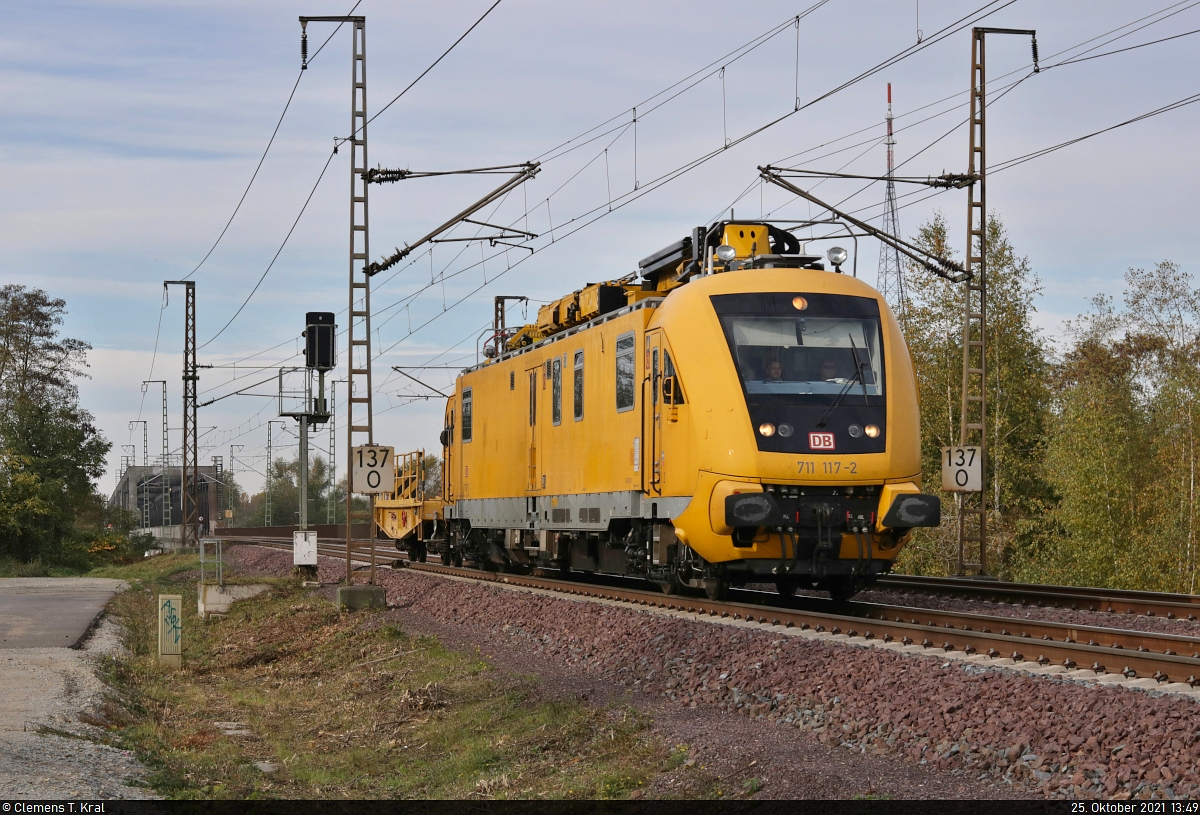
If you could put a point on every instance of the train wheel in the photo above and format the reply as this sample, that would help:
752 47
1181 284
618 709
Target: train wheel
716 584
786 588
840 587
669 587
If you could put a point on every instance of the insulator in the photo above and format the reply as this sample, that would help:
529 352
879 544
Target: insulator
304 51
1036 68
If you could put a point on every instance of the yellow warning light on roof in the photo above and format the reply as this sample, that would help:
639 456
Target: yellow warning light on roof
747 240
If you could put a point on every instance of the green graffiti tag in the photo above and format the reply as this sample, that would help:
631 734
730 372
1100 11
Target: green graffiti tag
171 620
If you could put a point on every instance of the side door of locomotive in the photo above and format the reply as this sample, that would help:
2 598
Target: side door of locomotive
652 404
451 469
665 435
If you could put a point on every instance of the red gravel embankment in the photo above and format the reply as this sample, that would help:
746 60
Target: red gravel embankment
1058 737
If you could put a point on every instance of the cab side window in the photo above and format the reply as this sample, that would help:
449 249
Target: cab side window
673 393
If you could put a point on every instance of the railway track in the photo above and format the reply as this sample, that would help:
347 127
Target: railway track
1113 601
1162 657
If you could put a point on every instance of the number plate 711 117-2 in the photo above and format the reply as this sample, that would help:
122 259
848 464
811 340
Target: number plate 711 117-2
828 467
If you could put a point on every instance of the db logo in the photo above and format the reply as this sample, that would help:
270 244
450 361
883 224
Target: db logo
820 441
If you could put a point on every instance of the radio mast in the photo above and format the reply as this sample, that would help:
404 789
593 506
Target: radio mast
889 279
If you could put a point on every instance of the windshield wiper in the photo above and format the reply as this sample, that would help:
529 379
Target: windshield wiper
858 369
858 374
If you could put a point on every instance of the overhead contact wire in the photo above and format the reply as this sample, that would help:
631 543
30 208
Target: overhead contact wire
277 252
266 150
671 175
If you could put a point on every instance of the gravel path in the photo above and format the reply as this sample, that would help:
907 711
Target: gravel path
55 688
967 723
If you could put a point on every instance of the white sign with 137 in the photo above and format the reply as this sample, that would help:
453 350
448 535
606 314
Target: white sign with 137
962 469
372 470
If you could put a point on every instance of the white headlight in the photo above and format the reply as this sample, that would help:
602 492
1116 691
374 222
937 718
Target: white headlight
726 252
837 255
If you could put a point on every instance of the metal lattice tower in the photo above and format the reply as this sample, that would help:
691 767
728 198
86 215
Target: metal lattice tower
191 450
890 280
270 473
219 477
331 470
972 508
143 487
164 459
360 427
359 408
166 465
126 463
231 497
145 468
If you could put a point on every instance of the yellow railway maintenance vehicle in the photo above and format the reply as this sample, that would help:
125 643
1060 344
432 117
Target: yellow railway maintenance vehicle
408 514
740 415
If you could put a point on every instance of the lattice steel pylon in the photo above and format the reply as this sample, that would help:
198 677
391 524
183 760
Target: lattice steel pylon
166 463
218 463
331 470
164 459
972 507
890 280
360 414
143 487
267 488
191 451
972 432
360 426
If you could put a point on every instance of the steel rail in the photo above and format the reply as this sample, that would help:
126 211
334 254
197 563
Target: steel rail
1077 598
1042 630
1026 628
1071 655
1113 601
1131 653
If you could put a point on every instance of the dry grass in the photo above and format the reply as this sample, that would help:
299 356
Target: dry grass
347 708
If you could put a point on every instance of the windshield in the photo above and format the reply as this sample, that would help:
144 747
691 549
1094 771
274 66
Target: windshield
805 354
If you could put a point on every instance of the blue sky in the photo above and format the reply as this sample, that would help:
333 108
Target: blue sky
128 132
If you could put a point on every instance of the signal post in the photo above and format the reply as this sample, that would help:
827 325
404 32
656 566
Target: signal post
320 356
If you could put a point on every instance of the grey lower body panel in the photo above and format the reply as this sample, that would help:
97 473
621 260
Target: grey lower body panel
581 512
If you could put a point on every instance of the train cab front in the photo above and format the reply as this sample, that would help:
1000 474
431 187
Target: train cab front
814 479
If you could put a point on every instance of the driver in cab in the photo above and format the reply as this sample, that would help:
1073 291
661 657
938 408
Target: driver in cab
830 371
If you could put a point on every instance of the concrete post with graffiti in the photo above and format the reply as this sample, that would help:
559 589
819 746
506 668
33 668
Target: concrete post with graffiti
170 630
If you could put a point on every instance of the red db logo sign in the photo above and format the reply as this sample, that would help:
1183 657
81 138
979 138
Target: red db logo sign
820 441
